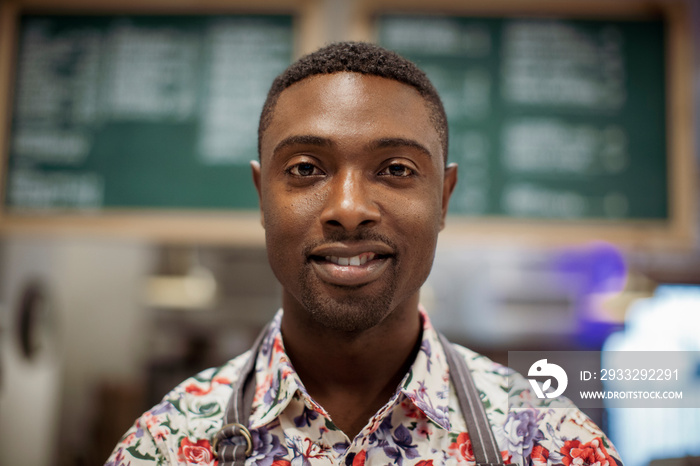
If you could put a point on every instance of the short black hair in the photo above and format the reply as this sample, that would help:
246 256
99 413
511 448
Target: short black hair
364 58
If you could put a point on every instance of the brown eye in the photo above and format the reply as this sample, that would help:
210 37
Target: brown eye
397 169
304 169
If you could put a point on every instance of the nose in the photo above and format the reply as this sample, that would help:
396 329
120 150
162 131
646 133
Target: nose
349 204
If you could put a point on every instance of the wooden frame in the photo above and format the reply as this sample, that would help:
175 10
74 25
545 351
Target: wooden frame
679 232
180 226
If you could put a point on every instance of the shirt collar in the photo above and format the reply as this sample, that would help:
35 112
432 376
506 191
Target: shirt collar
277 383
425 385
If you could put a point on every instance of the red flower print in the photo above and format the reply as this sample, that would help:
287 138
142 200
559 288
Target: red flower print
277 346
221 381
281 463
196 390
410 410
196 453
590 453
425 463
359 459
150 420
462 447
540 455
423 429
506 456
160 433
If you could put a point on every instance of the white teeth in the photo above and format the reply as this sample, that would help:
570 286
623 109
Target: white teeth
354 261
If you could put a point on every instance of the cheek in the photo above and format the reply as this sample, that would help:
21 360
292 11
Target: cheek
416 222
418 215
288 218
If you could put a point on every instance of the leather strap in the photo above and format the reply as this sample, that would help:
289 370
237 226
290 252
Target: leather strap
484 444
233 443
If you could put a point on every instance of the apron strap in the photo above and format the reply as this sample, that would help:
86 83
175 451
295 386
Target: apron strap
484 444
233 443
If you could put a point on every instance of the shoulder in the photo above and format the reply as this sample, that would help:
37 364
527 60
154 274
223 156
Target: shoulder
482 367
183 423
534 432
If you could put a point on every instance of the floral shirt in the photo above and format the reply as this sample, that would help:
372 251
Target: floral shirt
421 425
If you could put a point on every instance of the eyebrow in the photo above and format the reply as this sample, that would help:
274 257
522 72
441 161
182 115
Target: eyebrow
387 143
304 139
318 141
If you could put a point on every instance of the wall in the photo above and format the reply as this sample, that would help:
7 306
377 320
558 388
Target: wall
95 288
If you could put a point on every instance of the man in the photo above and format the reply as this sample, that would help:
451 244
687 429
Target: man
354 188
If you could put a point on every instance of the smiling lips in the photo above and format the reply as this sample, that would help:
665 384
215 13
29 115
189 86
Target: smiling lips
350 266
352 261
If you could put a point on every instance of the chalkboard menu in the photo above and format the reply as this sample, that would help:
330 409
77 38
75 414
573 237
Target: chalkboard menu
142 111
557 119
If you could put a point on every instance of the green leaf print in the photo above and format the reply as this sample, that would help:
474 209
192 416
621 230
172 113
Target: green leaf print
138 455
330 425
409 377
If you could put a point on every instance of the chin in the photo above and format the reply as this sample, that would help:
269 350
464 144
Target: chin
351 314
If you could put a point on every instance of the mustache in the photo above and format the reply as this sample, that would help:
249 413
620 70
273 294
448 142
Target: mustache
349 238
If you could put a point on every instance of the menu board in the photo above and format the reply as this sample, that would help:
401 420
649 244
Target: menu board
549 118
141 111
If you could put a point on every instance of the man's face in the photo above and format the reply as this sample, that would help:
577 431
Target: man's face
353 193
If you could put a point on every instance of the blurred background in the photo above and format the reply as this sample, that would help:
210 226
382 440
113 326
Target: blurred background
131 254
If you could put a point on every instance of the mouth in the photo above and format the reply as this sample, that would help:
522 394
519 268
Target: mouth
354 261
350 268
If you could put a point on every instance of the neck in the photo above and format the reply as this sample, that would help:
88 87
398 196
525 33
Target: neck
352 374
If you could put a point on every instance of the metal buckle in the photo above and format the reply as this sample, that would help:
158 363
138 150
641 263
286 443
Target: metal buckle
236 430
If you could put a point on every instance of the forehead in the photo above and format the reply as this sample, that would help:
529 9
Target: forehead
347 106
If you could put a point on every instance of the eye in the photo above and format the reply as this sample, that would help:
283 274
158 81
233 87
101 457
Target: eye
304 169
398 170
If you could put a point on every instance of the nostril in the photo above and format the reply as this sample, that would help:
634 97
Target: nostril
349 204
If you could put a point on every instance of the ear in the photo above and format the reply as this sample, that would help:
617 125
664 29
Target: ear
255 168
447 189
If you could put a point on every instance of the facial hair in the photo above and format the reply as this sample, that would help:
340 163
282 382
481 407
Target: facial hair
355 312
